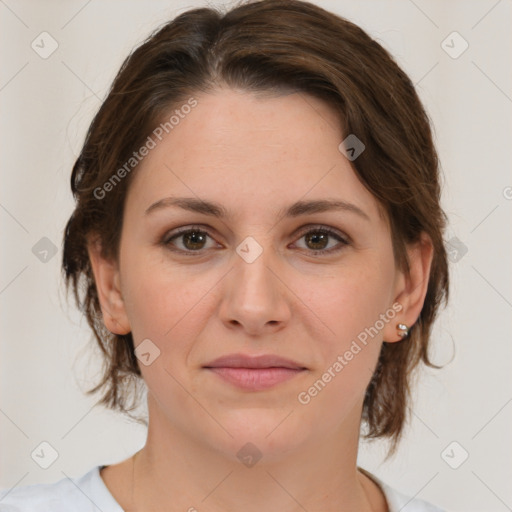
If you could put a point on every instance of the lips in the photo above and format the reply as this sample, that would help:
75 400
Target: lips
244 361
254 373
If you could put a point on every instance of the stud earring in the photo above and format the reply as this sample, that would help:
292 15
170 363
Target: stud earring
403 330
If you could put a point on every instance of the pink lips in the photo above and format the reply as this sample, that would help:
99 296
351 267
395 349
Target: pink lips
254 373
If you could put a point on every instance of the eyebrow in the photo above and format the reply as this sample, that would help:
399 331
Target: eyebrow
297 209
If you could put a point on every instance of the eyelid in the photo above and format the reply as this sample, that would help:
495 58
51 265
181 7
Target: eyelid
321 227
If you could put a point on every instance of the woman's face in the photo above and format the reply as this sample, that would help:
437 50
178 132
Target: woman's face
251 281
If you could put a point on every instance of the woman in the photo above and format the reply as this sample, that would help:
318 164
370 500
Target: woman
258 236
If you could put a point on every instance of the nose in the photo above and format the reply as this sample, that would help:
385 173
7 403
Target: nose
255 300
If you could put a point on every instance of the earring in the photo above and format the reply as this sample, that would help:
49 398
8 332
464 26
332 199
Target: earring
403 330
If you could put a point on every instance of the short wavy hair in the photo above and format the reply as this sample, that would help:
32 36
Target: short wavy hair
274 46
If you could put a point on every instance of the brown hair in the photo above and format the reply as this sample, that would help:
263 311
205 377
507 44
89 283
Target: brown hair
275 46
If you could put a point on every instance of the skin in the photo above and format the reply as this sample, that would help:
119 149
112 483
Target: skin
255 156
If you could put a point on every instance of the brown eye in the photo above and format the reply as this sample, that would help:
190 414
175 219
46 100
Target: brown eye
187 241
194 240
318 241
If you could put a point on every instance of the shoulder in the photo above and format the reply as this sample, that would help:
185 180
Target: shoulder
398 502
82 494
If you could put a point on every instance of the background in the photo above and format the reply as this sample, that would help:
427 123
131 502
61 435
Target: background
59 58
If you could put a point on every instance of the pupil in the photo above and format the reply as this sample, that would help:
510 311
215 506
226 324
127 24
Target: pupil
318 239
197 239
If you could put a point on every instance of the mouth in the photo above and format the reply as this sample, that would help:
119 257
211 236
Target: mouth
255 373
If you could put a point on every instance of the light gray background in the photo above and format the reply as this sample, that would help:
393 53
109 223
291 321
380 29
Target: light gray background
46 106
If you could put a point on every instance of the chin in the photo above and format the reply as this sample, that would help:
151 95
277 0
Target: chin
258 433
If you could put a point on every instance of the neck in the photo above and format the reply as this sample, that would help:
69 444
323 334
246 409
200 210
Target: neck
176 472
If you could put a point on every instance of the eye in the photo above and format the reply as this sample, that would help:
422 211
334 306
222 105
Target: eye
190 240
319 239
187 240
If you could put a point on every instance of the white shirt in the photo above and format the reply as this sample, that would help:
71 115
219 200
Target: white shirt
89 493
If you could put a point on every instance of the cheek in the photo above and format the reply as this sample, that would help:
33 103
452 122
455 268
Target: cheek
150 304
164 302
347 358
166 305
353 306
350 302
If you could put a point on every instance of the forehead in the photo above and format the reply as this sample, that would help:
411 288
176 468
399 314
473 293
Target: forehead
248 151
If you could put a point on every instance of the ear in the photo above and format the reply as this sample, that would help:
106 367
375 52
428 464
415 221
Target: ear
107 279
410 290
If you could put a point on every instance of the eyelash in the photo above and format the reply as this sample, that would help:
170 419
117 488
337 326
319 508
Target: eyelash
168 238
